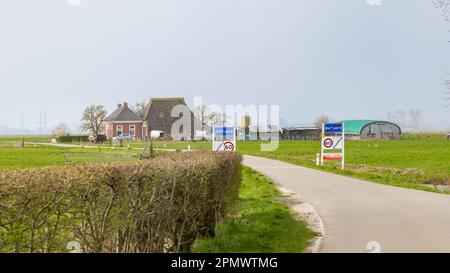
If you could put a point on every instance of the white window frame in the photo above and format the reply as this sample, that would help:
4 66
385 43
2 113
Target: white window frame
119 128
132 127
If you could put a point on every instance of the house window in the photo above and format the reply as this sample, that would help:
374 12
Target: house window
132 130
119 130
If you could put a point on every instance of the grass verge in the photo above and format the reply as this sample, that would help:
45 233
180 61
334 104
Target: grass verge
257 224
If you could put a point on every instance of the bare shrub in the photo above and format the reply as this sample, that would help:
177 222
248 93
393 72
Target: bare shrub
160 205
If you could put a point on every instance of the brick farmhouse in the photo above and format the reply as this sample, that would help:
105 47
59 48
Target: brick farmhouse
157 118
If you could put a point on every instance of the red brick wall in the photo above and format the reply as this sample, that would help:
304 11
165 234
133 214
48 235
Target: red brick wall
126 129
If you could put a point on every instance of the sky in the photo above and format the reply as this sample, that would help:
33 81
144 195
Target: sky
346 59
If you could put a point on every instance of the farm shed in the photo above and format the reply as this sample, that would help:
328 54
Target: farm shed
301 133
371 129
257 132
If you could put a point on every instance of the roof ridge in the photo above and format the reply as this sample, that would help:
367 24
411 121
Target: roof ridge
169 99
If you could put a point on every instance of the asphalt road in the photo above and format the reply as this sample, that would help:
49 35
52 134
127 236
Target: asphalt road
362 216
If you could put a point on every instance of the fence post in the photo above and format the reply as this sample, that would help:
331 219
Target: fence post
151 149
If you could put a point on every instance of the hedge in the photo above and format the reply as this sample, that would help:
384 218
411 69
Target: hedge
159 205
72 138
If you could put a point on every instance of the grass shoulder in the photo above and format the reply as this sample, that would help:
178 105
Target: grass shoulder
258 223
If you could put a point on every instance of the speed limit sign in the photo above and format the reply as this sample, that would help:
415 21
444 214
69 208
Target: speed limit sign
328 143
228 146
224 139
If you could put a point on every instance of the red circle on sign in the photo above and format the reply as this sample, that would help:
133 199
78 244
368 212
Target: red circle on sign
228 146
328 143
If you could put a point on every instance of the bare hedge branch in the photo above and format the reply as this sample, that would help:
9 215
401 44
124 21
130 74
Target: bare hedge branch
160 205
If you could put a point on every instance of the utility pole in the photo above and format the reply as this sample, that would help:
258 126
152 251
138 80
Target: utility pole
45 120
40 121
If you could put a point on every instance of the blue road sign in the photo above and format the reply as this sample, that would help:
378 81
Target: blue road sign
333 127
224 131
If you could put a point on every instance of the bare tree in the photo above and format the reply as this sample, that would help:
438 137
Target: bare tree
139 108
398 117
415 119
444 7
206 118
93 117
61 130
322 119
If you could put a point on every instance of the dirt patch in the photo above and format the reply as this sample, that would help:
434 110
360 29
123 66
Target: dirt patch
361 168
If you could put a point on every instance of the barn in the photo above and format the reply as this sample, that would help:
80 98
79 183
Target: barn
158 119
371 129
301 133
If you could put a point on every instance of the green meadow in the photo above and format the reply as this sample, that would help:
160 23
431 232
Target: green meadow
411 162
408 162
40 156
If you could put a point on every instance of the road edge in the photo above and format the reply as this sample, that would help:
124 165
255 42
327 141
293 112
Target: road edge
306 212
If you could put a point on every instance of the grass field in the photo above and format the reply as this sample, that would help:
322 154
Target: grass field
40 156
407 163
415 160
42 138
258 224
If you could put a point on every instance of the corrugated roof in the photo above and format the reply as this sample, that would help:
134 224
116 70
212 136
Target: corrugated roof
300 128
355 126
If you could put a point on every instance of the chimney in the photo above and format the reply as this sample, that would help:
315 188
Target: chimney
119 105
125 104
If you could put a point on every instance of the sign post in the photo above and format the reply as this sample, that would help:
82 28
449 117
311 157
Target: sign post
333 139
224 139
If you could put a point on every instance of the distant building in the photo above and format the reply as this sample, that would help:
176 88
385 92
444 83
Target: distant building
123 121
301 133
251 132
371 129
158 119
246 121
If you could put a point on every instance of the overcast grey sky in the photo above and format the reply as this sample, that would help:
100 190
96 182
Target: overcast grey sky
343 58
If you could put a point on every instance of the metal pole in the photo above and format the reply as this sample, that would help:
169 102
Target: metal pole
213 137
234 138
343 146
321 144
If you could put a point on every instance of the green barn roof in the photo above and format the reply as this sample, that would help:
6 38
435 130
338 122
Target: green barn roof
355 126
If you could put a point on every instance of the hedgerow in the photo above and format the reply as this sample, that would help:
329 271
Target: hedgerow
159 205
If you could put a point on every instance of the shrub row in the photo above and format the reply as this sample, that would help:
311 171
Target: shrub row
159 205
72 138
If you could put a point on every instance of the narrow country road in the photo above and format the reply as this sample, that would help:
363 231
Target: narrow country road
356 212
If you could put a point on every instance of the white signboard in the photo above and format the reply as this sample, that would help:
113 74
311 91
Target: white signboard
333 143
224 139
333 138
